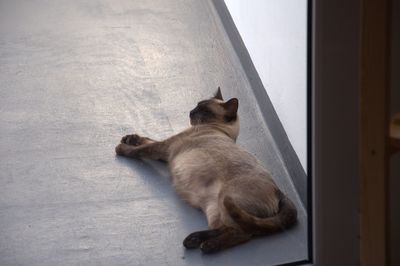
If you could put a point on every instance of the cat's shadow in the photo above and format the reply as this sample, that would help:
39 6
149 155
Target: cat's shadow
156 179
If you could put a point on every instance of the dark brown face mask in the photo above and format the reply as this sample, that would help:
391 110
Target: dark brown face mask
214 110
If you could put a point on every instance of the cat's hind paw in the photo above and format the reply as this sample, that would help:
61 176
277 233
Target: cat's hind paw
210 246
192 241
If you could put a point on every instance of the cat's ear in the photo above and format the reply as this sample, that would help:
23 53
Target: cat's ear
231 108
218 94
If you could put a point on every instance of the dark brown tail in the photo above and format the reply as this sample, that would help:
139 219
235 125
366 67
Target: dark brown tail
285 218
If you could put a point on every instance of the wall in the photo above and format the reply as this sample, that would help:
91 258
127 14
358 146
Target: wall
274 33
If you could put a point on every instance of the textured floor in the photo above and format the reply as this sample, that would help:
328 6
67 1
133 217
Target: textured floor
77 75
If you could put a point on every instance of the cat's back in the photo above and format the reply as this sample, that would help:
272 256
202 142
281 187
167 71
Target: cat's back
212 154
201 164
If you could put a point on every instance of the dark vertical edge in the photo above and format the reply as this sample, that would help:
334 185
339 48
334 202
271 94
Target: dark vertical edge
394 180
310 100
375 81
336 131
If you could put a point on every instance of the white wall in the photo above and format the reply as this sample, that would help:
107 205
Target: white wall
275 34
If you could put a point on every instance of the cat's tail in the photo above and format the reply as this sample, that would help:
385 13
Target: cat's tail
285 218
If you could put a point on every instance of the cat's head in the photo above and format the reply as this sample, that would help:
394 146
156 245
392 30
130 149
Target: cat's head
215 110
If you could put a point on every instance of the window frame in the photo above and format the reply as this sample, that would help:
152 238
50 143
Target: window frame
335 131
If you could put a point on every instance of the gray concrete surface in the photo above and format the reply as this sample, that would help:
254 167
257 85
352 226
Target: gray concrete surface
77 75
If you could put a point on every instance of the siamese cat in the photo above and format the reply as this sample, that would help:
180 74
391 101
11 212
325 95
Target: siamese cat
212 173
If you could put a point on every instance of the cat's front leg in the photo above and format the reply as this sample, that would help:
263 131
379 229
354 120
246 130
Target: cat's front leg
136 140
156 150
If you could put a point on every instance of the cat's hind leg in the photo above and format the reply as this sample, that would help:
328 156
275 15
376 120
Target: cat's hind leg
228 238
213 216
214 240
195 239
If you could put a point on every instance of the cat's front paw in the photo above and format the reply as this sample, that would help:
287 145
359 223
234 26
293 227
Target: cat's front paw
120 150
133 139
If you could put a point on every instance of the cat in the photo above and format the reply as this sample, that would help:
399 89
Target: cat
211 172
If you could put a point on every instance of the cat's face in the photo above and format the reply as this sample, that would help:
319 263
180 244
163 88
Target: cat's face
215 110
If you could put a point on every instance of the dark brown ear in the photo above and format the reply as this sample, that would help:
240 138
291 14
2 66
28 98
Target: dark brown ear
231 108
218 94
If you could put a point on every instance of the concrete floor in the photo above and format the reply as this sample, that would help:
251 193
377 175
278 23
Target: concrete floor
77 75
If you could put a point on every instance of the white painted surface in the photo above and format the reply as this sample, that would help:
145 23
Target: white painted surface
275 34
